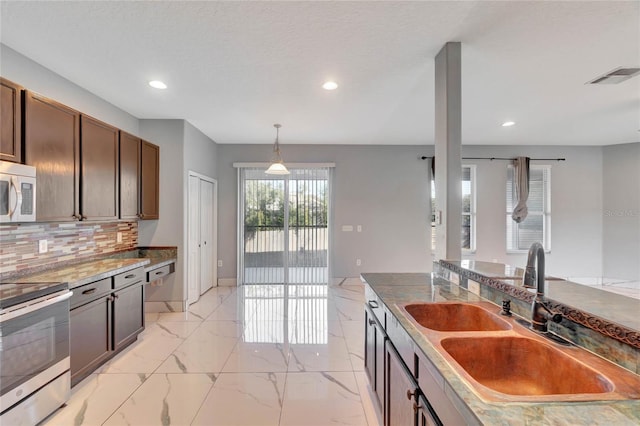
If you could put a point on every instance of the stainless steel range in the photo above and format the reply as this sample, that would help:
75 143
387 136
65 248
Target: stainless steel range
34 351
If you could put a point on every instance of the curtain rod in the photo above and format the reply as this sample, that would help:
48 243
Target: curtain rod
502 158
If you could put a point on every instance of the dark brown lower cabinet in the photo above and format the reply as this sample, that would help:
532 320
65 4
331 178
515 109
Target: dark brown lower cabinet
402 391
90 337
426 417
128 315
103 324
375 339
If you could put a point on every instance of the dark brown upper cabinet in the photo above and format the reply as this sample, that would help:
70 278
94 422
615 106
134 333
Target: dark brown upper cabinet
11 121
149 181
52 145
129 176
99 159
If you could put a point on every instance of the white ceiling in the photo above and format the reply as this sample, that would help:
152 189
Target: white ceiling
235 68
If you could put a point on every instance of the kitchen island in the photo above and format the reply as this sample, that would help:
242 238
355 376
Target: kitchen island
452 398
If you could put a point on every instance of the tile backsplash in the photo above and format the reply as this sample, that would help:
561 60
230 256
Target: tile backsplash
66 242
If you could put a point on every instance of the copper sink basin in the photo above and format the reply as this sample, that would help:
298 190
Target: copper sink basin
455 317
522 366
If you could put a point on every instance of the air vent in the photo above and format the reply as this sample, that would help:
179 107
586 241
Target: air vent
616 76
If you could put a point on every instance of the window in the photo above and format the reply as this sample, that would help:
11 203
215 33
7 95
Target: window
468 231
468 207
536 227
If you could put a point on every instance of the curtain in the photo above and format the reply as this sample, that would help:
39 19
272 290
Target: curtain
521 180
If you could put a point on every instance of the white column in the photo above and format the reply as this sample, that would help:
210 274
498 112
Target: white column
448 163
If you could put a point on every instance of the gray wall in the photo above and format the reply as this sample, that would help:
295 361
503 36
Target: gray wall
168 230
200 152
382 188
621 211
35 77
576 207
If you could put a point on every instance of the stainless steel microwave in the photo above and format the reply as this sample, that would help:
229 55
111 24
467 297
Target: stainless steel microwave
17 192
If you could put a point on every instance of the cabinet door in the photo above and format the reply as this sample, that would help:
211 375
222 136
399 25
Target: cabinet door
370 348
90 337
425 416
381 338
99 166
129 176
401 391
149 181
128 315
52 145
10 121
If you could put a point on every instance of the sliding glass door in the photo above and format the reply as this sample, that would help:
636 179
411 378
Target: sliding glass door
283 235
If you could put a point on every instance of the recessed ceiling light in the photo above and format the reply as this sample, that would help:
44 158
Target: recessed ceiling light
330 85
157 84
508 123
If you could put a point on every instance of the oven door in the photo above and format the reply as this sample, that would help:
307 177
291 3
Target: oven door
34 346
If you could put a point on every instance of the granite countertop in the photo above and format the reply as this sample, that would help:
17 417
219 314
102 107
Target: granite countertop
157 256
81 273
399 288
87 272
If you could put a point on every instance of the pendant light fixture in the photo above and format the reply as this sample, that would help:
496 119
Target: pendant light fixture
277 167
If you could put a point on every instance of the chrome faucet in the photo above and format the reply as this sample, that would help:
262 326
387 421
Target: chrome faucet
540 314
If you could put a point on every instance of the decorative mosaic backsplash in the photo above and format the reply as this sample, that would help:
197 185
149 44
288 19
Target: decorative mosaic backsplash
67 242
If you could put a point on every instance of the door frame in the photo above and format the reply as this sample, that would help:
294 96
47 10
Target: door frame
194 298
240 208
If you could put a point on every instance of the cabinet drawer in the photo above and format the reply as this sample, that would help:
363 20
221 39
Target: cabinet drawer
89 292
158 273
371 299
127 278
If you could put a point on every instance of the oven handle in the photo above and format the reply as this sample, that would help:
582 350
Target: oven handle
28 308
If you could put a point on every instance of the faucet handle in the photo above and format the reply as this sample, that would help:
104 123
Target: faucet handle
557 318
506 307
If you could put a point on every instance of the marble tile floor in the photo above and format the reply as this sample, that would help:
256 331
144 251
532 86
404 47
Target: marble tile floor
253 355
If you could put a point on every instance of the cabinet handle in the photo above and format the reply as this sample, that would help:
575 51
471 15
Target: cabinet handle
115 296
372 322
128 277
75 216
83 217
90 291
416 407
159 272
373 303
410 394
110 299
141 215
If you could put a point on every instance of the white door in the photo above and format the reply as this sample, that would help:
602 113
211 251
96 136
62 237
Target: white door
193 241
207 242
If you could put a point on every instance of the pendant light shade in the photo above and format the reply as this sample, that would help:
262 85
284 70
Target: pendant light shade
277 167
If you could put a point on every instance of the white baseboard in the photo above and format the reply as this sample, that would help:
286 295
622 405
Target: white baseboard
345 281
227 282
168 306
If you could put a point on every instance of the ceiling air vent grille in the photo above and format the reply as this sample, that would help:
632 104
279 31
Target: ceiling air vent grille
616 76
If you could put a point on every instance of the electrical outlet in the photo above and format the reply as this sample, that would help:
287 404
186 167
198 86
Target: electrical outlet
118 237
43 246
358 262
359 228
219 263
